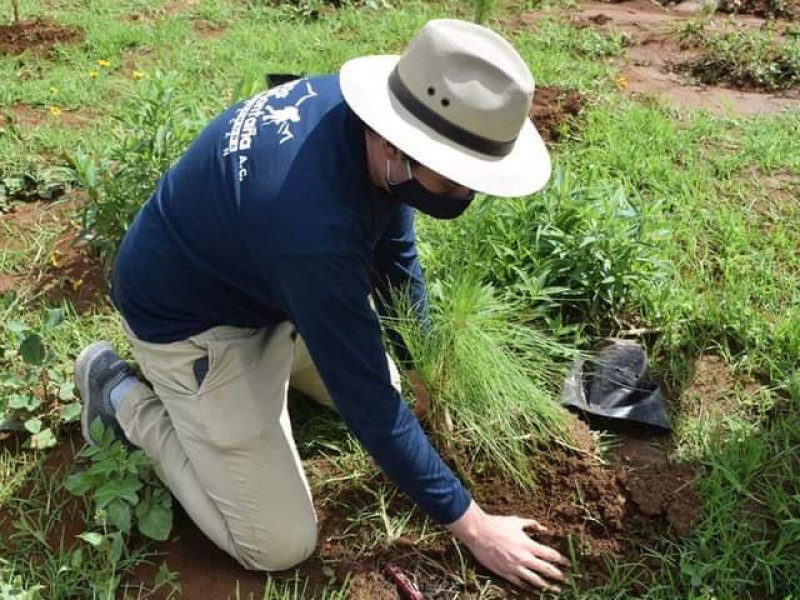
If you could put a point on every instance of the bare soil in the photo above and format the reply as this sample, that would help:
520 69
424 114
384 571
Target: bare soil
35 34
651 68
554 111
70 273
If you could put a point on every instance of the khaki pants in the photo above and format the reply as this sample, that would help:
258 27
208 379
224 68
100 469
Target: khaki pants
225 447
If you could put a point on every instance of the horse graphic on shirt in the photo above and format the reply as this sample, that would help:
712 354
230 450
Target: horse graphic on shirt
284 117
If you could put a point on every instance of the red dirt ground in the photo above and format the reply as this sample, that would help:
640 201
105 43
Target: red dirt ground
35 34
554 110
599 511
655 51
69 274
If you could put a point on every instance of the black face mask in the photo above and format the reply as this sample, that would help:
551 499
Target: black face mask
413 193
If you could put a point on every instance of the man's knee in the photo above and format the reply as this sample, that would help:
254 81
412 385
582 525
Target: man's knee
280 551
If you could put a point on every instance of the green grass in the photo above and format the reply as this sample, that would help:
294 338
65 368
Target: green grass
703 206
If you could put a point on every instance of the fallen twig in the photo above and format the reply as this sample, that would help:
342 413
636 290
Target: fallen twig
408 590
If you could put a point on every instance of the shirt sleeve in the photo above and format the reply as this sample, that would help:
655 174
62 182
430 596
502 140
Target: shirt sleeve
397 270
327 298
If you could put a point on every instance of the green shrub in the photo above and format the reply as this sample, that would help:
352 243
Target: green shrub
156 127
746 58
580 252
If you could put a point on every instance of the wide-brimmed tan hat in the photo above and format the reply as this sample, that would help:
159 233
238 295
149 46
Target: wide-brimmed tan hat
457 101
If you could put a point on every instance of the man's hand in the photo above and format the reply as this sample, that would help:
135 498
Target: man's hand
422 399
501 545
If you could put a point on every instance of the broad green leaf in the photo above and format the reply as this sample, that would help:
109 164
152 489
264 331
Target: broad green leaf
155 516
96 429
79 483
33 425
66 391
43 439
76 558
92 538
124 489
119 515
55 316
20 401
32 349
16 327
71 412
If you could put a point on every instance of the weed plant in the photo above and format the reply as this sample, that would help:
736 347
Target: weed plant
37 396
574 252
746 58
491 380
155 129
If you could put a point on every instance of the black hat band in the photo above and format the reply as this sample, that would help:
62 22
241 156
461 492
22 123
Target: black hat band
440 125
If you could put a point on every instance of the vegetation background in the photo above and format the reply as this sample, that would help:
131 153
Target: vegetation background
678 228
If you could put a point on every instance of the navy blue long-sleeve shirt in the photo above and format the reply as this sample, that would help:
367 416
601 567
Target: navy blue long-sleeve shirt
271 215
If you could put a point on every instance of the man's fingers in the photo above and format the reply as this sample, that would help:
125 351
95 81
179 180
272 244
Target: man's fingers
533 524
545 568
549 554
532 579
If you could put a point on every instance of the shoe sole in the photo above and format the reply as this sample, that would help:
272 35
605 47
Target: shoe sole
82 364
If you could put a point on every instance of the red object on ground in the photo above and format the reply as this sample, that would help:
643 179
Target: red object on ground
408 590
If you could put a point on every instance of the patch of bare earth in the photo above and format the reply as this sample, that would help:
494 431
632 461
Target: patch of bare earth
592 511
35 34
555 110
209 29
655 51
65 272
28 116
715 391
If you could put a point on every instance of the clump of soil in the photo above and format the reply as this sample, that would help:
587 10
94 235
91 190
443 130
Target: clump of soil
35 34
554 110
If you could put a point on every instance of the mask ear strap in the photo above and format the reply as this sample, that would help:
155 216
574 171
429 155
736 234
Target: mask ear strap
389 173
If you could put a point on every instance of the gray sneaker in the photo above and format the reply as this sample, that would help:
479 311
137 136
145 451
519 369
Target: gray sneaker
98 370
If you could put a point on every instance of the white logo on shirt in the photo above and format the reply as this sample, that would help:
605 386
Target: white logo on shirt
244 126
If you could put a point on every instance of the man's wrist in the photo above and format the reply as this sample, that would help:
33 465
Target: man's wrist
467 527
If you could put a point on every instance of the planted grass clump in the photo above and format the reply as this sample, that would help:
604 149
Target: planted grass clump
745 58
491 380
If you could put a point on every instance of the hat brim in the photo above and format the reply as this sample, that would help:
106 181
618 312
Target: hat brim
525 170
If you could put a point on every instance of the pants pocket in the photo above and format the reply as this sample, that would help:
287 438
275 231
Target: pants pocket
244 388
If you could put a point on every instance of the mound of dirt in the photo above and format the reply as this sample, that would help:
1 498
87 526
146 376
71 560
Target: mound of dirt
35 34
554 109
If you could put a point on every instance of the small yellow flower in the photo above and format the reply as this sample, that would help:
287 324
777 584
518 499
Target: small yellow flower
54 258
53 89
102 62
138 75
92 74
55 111
621 82
76 283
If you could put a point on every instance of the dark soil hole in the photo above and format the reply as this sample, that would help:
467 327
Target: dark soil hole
35 34
554 110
